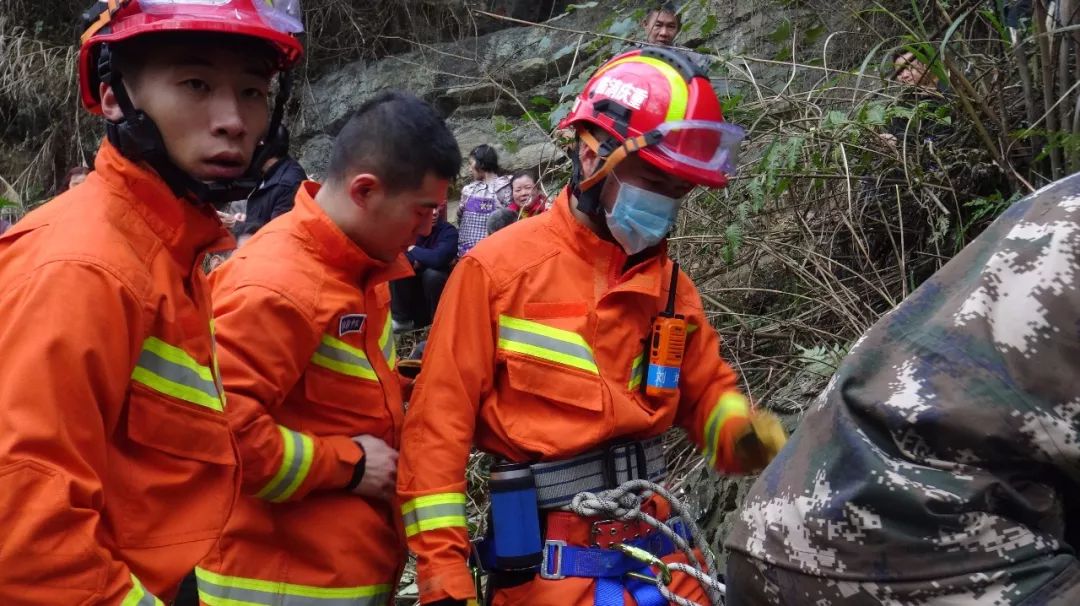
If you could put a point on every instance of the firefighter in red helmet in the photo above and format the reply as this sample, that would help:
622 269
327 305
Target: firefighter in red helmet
542 355
117 466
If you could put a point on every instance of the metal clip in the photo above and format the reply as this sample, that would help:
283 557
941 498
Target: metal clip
646 558
555 563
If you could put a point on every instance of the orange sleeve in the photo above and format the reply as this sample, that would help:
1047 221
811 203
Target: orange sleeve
712 408
69 354
265 341
459 365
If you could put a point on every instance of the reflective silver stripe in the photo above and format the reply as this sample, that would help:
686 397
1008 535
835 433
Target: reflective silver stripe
297 453
343 356
212 594
434 511
388 345
172 371
570 349
139 596
176 373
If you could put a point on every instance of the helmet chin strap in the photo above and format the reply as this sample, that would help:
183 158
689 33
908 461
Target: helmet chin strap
611 153
138 138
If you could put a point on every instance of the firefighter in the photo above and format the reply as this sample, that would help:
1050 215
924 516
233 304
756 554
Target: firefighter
117 466
537 356
308 362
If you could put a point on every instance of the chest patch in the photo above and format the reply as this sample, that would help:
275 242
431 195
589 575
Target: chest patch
350 323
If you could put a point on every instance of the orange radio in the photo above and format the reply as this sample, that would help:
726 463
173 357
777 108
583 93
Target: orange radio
666 346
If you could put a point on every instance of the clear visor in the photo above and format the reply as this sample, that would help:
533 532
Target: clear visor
281 15
702 144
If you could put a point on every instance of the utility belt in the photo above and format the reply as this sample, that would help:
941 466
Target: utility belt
525 498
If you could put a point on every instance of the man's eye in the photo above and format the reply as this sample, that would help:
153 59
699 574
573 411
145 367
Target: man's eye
197 85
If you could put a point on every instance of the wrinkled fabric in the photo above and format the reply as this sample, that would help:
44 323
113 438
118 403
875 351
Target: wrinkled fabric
591 314
942 463
117 466
290 305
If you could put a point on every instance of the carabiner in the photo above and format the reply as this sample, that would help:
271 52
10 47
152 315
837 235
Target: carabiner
646 558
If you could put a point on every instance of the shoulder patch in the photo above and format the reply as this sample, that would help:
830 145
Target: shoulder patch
350 323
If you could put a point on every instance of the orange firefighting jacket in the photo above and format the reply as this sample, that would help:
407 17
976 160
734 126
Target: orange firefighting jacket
536 355
117 466
307 358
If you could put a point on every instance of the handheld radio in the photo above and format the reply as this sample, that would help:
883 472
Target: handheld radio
666 346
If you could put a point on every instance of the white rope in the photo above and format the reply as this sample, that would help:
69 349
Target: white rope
624 504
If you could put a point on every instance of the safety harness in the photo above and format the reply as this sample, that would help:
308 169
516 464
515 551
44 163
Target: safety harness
618 484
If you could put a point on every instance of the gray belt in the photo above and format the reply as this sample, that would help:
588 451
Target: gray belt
557 482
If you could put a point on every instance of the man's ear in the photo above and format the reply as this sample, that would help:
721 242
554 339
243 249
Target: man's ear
362 189
109 106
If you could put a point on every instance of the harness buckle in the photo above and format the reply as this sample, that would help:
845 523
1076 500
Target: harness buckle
607 534
637 467
557 556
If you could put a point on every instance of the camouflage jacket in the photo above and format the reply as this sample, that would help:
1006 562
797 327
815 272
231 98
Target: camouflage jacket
947 445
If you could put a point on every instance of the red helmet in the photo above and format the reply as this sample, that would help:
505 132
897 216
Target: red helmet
657 103
275 21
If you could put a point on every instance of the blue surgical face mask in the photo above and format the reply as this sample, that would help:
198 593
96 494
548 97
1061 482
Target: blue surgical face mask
640 218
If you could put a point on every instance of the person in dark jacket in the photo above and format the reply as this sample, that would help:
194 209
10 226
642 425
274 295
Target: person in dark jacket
282 176
413 300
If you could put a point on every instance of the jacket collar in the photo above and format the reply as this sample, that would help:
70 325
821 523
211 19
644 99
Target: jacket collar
607 257
331 244
188 231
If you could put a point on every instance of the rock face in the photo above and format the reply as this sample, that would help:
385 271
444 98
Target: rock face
482 85
486 85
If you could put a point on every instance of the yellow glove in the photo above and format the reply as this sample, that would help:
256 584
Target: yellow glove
759 442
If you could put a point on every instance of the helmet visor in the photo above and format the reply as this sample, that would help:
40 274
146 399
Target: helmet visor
701 144
280 15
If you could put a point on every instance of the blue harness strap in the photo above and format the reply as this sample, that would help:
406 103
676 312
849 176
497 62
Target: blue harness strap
610 567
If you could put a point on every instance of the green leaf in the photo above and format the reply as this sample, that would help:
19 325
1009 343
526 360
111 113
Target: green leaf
814 33
564 51
709 25
730 104
623 28
541 102
502 125
835 118
874 114
782 33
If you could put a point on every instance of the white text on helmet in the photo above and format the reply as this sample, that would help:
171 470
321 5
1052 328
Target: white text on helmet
623 92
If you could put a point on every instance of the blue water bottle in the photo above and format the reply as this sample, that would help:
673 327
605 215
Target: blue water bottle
515 517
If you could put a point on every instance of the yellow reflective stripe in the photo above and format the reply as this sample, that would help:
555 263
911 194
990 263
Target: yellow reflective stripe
339 356
691 328
445 498
218 589
139 596
298 449
214 361
546 342
680 91
173 372
387 345
731 405
637 371
431 512
177 356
